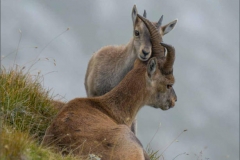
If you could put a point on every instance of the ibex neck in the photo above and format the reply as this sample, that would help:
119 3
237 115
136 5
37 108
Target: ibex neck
130 45
124 101
129 52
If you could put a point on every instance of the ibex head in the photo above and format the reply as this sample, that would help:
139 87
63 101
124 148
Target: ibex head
159 86
141 35
160 77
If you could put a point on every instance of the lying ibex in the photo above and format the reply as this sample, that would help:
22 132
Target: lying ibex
110 64
101 125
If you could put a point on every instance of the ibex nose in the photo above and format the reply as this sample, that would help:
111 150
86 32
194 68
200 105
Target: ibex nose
145 53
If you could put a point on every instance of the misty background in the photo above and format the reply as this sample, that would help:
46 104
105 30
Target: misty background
206 69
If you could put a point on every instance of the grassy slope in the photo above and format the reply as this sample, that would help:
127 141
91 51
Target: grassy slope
25 111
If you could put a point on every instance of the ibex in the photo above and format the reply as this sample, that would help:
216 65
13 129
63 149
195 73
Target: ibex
110 64
101 125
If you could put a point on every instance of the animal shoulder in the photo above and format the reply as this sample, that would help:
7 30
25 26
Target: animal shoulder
83 110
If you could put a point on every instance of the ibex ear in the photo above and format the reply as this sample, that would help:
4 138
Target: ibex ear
168 27
152 67
134 14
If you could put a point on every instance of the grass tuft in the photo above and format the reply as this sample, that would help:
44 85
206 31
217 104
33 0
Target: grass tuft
25 105
154 155
20 145
26 110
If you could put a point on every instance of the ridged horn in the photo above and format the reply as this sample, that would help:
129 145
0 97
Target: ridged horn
159 23
168 63
156 38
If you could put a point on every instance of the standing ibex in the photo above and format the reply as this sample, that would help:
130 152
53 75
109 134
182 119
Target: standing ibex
110 64
100 125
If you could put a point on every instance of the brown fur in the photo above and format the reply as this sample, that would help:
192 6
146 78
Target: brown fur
101 125
57 104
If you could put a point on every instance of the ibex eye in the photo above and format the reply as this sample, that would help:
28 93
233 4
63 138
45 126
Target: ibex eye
169 86
136 33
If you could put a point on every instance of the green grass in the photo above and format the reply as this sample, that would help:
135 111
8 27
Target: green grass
25 105
26 110
153 155
17 145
